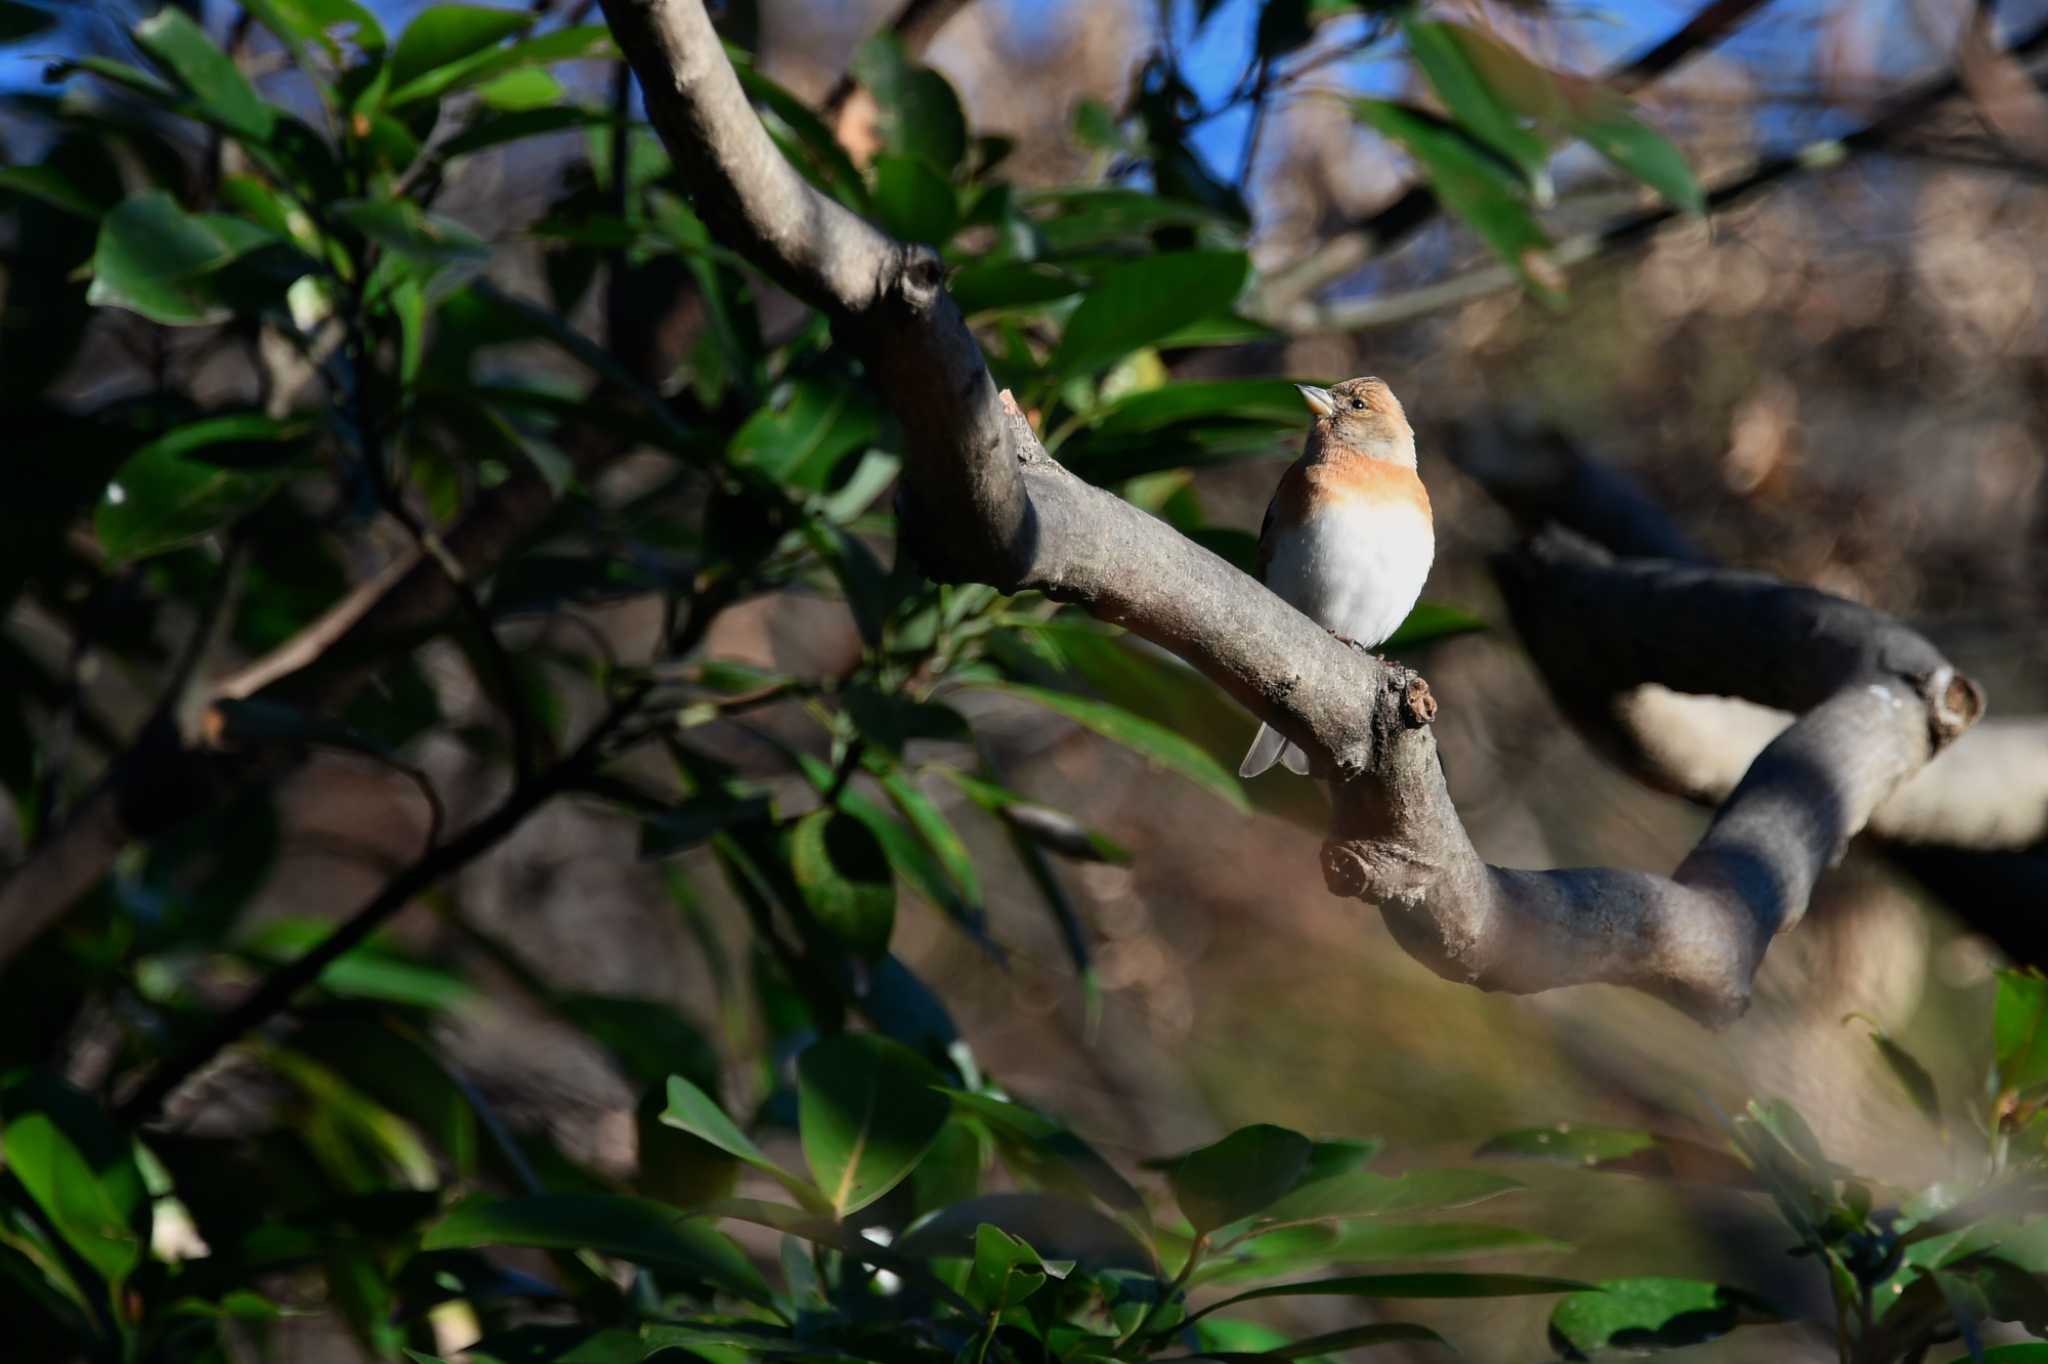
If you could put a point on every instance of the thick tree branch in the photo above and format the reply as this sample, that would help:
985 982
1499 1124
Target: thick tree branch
988 502
1986 793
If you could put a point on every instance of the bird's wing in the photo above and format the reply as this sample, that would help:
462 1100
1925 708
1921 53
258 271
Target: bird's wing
1289 494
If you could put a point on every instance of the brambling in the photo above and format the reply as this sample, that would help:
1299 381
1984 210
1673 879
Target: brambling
1348 538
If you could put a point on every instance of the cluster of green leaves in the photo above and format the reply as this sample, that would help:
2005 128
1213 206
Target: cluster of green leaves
1496 123
200 218
1909 1270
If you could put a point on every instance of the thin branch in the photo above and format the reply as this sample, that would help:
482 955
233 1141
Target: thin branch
988 503
283 985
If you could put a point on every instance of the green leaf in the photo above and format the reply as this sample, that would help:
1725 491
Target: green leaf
914 202
368 971
1091 217
443 35
1440 50
1275 402
1364 1193
317 20
843 872
162 496
1333 1342
155 259
1440 1285
1053 1225
805 429
1239 1175
988 286
1432 621
936 832
2020 1030
1584 1144
1474 186
222 92
920 114
1911 1075
1159 744
813 146
692 1110
1643 152
2026 1352
582 42
867 1110
1139 303
1050 1154
1004 1272
625 1228
1647 1313
1290 1250
80 1170
862 579
427 240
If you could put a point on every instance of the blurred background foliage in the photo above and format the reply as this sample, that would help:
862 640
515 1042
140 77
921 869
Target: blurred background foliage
550 797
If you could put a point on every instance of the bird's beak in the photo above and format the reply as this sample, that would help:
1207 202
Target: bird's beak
1318 399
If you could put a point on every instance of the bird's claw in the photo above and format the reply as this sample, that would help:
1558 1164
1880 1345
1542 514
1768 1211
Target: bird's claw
1350 643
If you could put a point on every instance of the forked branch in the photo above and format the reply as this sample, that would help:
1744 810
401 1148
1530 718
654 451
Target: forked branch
988 503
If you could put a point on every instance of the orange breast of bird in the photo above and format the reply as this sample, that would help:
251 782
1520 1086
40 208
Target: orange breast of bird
1357 482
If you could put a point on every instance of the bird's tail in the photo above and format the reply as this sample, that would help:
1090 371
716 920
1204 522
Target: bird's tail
1268 748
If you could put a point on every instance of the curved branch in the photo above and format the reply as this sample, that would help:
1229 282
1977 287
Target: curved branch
1877 700
1986 793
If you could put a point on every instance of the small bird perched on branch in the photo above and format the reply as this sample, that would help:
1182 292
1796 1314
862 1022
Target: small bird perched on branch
1348 537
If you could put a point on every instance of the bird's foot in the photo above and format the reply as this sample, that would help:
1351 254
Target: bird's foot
1350 643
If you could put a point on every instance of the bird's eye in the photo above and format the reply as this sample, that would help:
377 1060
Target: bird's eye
1358 403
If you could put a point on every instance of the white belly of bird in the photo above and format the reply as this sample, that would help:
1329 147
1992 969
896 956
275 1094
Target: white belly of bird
1356 569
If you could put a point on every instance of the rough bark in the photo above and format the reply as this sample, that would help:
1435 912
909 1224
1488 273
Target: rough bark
1876 701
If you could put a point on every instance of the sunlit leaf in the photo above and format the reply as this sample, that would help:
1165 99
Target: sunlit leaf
80 1170
1440 50
1139 303
1474 185
1645 153
1648 1313
443 35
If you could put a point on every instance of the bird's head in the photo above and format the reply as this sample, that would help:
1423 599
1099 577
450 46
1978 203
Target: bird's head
1361 417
